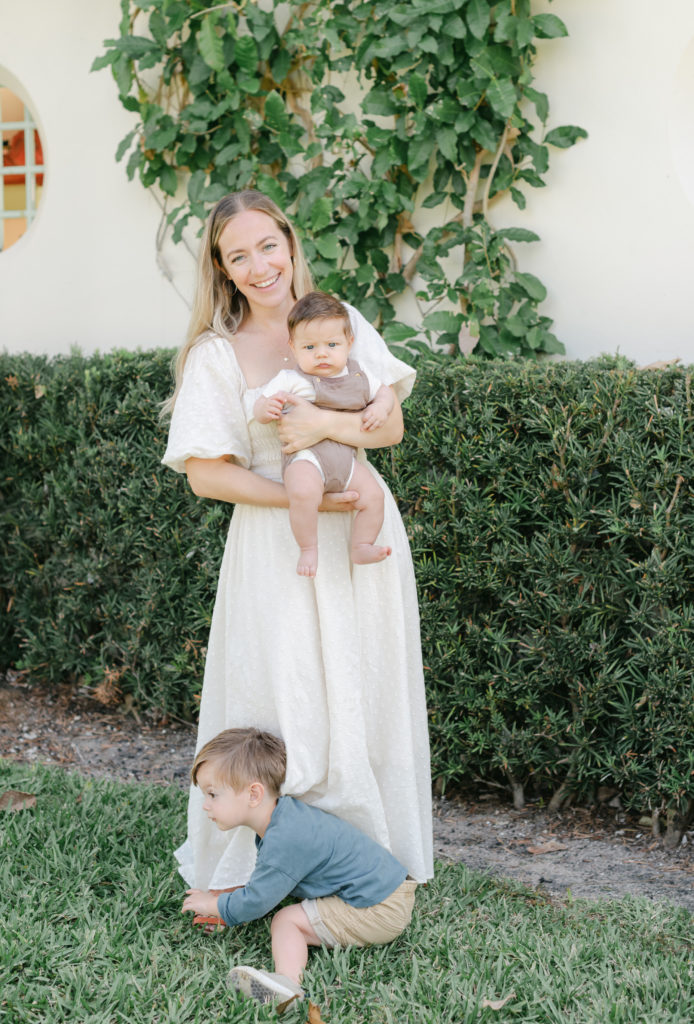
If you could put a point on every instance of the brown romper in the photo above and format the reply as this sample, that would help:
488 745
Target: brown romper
348 393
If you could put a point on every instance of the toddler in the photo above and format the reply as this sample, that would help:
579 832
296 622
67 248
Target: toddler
352 891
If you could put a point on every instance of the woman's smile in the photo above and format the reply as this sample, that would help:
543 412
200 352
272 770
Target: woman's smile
266 283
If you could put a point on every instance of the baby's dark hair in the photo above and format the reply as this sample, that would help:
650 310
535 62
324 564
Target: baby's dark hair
241 756
318 306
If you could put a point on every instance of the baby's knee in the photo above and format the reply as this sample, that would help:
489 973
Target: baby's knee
303 482
373 494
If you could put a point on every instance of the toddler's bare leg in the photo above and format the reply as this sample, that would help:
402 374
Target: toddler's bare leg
369 518
292 934
305 490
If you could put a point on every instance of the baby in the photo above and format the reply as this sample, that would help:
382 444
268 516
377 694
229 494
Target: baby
320 336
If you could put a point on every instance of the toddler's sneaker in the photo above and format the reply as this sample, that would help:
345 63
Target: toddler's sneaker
264 986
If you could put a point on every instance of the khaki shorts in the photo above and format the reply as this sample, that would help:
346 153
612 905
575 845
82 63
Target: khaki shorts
337 923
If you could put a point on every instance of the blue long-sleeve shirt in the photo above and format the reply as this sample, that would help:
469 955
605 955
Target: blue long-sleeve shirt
308 853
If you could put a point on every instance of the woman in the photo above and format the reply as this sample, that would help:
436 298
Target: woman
332 664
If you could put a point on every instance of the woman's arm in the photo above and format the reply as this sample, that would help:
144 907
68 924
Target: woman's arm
226 481
305 425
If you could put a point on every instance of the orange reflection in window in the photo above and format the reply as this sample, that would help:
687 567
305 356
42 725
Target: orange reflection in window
21 190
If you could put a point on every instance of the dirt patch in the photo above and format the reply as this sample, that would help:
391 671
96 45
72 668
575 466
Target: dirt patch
593 853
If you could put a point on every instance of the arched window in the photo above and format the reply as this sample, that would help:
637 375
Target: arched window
21 172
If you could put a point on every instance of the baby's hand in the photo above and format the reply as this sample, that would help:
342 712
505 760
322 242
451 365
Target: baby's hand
374 416
267 409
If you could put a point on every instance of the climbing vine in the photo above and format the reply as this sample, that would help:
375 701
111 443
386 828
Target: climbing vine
391 196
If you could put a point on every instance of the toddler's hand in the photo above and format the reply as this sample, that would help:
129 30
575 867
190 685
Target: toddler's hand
200 902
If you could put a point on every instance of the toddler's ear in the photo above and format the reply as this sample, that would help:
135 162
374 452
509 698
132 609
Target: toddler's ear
256 792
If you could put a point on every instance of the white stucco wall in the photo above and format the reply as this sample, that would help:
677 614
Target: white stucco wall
85 273
616 219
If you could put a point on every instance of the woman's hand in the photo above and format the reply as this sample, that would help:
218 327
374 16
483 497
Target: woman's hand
305 425
302 426
339 501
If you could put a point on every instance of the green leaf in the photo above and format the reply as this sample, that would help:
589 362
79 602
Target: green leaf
271 187
196 186
133 46
539 154
321 214
168 180
477 15
550 343
447 140
124 144
434 199
381 102
281 63
501 94
382 162
516 326
549 26
210 45
483 133
246 55
517 235
531 285
275 113
328 246
249 84
446 108
418 90
395 332
123 73
365 274
389 47
496 62
443 320
455 27
419 152
565 136
158 27
289 144
104 61
540 100
518 198
464 121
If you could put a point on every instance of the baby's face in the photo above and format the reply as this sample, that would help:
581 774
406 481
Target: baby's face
321 347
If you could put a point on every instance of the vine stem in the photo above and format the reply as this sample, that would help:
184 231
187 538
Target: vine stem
492 171
218 7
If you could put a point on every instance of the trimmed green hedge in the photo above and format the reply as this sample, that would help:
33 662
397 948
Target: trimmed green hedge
552 524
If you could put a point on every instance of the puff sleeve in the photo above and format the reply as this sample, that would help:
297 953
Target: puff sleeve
208 419
374 355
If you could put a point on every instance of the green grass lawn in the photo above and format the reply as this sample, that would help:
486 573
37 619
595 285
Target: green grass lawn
92 931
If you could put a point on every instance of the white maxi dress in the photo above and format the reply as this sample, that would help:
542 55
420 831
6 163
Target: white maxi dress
331 664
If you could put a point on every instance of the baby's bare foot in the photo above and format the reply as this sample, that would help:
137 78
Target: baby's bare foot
308 562
365 554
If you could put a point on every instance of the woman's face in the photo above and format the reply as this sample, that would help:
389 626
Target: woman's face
257 258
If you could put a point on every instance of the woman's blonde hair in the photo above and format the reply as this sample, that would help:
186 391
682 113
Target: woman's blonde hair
219 307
